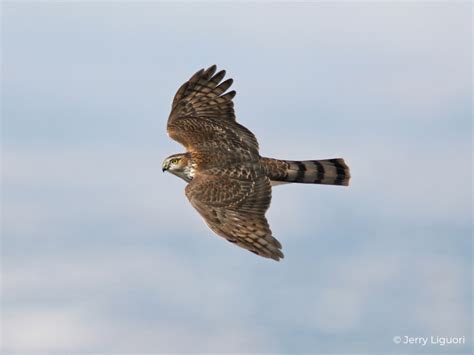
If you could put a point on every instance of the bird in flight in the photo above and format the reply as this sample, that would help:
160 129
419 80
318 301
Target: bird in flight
229 183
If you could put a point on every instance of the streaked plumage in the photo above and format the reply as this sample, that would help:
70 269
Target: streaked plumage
229 183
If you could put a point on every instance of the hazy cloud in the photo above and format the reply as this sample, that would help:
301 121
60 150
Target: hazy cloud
102 252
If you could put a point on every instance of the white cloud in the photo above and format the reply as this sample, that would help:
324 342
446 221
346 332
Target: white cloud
188 312
46 329
156 299
70 186
420 293
444 296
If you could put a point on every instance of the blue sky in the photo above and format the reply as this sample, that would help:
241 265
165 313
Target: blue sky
102 253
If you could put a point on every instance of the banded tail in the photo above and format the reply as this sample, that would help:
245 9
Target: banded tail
328 171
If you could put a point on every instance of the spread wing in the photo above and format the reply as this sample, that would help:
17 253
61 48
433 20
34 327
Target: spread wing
202 116
235 209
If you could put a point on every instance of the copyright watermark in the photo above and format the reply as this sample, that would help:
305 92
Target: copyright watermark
429 340
397 339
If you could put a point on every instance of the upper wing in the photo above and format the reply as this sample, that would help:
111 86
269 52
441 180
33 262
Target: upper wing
202 96
202 113
235 209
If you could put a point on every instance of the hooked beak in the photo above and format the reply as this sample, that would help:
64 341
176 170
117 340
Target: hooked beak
164 169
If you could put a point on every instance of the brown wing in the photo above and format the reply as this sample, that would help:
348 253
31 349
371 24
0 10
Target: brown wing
235 209
202 115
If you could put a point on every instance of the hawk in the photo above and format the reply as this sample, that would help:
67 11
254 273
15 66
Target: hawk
229 183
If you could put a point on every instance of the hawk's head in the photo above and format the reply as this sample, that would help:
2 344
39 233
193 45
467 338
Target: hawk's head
179 165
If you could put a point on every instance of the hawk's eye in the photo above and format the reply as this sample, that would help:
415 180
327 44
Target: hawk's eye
174 161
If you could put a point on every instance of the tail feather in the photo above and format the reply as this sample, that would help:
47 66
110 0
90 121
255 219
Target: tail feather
327 171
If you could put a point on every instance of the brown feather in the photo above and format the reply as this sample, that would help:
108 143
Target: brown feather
235 209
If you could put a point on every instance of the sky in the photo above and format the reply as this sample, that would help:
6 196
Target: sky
102 252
